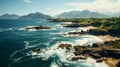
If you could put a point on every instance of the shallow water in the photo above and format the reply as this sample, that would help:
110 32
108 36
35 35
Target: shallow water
16 45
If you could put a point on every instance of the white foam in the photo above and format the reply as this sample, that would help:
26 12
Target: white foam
24 28
92 61
59 26
21 29
54 64
26 44
30 46
57 33
9 29
67 56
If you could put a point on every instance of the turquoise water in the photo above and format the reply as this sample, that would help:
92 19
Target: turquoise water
16 45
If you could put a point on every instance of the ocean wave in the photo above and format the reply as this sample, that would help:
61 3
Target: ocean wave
7 29
54 51
1 30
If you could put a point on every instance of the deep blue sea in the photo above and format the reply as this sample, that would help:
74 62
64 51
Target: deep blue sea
16 45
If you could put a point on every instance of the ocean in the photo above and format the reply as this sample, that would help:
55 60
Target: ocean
17 43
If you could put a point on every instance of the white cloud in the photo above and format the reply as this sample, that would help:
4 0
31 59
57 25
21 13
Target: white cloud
27 1
102 6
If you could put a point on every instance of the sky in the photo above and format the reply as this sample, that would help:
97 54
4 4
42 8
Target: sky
53 7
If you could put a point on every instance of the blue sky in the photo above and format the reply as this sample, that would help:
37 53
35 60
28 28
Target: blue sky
53 7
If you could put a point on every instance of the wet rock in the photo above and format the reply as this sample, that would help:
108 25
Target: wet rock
78 50
87 51
38 27
42 27
73 33
67 46
29 28
37 50
95 45
77 58
95 55
99 60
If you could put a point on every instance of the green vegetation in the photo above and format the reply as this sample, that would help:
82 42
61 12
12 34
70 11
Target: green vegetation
116 43
112 25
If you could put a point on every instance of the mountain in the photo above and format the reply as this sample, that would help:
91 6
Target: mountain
81 14
35 16
116 14
8 16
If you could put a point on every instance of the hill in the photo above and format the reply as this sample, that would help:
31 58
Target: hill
35 16
8 16
81 14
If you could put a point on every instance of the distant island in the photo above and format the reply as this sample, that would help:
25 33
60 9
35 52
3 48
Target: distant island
31 16
8 16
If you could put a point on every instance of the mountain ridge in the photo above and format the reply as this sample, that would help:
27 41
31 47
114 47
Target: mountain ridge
35 16
9 16
81 14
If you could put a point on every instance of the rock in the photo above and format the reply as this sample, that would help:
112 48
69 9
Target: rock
99 60
118 64
29 28
42 27
114 53
77 58
98 32
78 50
67 46
114 32
95 55
37 50
73 33
87 51
38 27
95 45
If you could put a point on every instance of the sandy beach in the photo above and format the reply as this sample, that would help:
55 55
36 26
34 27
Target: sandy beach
90 27
108 38
111 62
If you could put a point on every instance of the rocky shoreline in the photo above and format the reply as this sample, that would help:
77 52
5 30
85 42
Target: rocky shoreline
107 51
102 52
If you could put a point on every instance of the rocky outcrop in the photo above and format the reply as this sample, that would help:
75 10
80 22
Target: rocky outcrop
114 53
78 57
37 50
95 55
114 32
98 51
66 46
38 27
91 31
82 32
98 32
78 50
95 45
99 60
